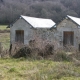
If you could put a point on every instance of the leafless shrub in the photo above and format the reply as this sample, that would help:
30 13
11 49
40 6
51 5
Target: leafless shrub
76 62
61 56
49 49
39 49
69 48
32 50
19 50
67 53
4 53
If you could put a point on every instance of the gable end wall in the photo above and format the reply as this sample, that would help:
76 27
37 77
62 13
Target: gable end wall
68 25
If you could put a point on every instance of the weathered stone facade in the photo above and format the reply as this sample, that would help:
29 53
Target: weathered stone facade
30 33
68 25
66 31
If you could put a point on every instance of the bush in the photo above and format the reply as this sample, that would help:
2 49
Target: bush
45 52
76 62
19 50
49 49
61 56
22 52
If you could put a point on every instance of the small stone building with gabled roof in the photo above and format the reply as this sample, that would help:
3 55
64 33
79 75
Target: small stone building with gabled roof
68 32
27 29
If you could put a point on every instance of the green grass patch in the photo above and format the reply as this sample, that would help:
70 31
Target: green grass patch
4 27
24 69
5 40
12 70
5 37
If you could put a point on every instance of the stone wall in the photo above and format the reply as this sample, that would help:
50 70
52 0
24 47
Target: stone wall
68 25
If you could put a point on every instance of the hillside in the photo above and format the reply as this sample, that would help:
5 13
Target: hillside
54 9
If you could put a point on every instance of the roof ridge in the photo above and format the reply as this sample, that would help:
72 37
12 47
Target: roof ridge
75 19
39 22
72 16
37 17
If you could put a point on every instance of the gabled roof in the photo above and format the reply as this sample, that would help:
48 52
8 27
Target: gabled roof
39 22
74 19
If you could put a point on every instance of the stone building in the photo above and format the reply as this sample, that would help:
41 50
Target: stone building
68 32
26 29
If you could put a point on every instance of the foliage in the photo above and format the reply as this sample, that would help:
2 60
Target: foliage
62 56
10 10
68 53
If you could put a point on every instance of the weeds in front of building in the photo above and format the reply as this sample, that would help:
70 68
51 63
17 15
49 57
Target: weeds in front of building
45 50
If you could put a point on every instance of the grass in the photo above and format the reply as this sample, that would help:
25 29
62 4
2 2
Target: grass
4 27
26 69
29 69
4 37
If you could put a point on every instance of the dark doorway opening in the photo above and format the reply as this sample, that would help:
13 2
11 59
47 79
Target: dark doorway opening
19 36
68 38
79 47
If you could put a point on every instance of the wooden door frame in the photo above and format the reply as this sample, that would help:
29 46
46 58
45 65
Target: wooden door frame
21 34
67 33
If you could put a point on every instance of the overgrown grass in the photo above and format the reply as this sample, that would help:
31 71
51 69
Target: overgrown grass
4 27
4 37
29 69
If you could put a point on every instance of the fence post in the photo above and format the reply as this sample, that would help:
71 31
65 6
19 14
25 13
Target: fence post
10 49
0 48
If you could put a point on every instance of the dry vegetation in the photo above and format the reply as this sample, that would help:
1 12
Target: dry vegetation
4 36
29 69
42 63
45 63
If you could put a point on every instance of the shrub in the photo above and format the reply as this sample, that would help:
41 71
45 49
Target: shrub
69 48
19 50
47 51
22 52
75 55
5 54
61 56
76 62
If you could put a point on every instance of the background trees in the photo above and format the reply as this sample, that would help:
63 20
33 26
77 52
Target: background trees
54 9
